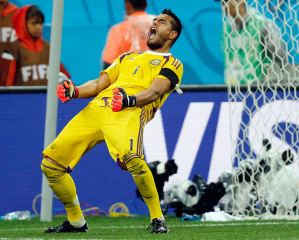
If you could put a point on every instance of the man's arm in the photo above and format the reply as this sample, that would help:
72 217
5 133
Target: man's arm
67 91
93 87
8 69
168 78
157 89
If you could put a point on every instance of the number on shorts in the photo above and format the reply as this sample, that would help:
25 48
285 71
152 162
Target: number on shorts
131 140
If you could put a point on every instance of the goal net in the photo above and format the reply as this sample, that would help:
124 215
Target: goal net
260 47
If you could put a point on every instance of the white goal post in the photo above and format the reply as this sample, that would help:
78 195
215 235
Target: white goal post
260 41
52 102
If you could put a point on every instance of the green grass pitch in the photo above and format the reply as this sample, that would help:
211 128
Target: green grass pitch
105 227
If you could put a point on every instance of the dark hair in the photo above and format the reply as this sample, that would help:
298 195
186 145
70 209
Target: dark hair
176 24
138 4
33 12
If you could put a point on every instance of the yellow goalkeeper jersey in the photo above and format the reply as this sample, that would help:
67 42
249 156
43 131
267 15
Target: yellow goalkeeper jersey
135 72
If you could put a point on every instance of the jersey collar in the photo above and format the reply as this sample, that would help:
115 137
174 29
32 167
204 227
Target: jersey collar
156 53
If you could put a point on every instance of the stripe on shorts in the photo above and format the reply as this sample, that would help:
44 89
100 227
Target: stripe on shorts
140 134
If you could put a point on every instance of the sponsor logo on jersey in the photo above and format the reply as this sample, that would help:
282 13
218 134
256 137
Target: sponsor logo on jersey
155 62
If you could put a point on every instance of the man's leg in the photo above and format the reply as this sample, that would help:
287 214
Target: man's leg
124 139
80 135
64 188
144 180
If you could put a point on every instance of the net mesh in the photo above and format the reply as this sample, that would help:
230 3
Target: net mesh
260 43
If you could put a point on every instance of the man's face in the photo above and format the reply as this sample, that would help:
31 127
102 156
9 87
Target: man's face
159 32
35 26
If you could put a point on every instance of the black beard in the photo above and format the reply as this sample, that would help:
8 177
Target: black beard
155 45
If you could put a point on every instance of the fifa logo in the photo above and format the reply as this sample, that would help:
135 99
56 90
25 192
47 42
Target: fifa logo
8 34
35 71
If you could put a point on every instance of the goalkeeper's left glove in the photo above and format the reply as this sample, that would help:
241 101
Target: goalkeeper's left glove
66 90
121 100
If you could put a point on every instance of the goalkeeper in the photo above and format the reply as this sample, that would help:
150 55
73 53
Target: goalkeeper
127 96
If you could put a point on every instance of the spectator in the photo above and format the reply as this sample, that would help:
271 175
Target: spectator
251 43
7 32
129 35
26 61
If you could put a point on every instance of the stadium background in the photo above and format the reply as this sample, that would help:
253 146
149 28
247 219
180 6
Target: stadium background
99 180
86 23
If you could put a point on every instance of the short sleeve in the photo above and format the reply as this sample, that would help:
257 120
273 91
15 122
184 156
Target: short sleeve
173 71
112 70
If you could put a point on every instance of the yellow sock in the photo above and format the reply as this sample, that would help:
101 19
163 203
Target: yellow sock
144 180
64 188
147 188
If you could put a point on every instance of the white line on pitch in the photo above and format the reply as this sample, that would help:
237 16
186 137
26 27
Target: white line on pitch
169 225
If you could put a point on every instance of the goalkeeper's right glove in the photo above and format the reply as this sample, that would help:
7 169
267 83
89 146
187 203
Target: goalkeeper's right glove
66 90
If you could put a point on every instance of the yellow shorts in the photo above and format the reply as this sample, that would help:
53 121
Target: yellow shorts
122 131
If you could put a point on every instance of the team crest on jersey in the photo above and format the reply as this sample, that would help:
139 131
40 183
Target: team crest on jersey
155 62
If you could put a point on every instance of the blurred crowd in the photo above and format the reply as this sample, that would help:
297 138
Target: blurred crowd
251 43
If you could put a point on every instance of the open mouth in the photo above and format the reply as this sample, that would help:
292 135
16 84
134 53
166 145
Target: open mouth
152 33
